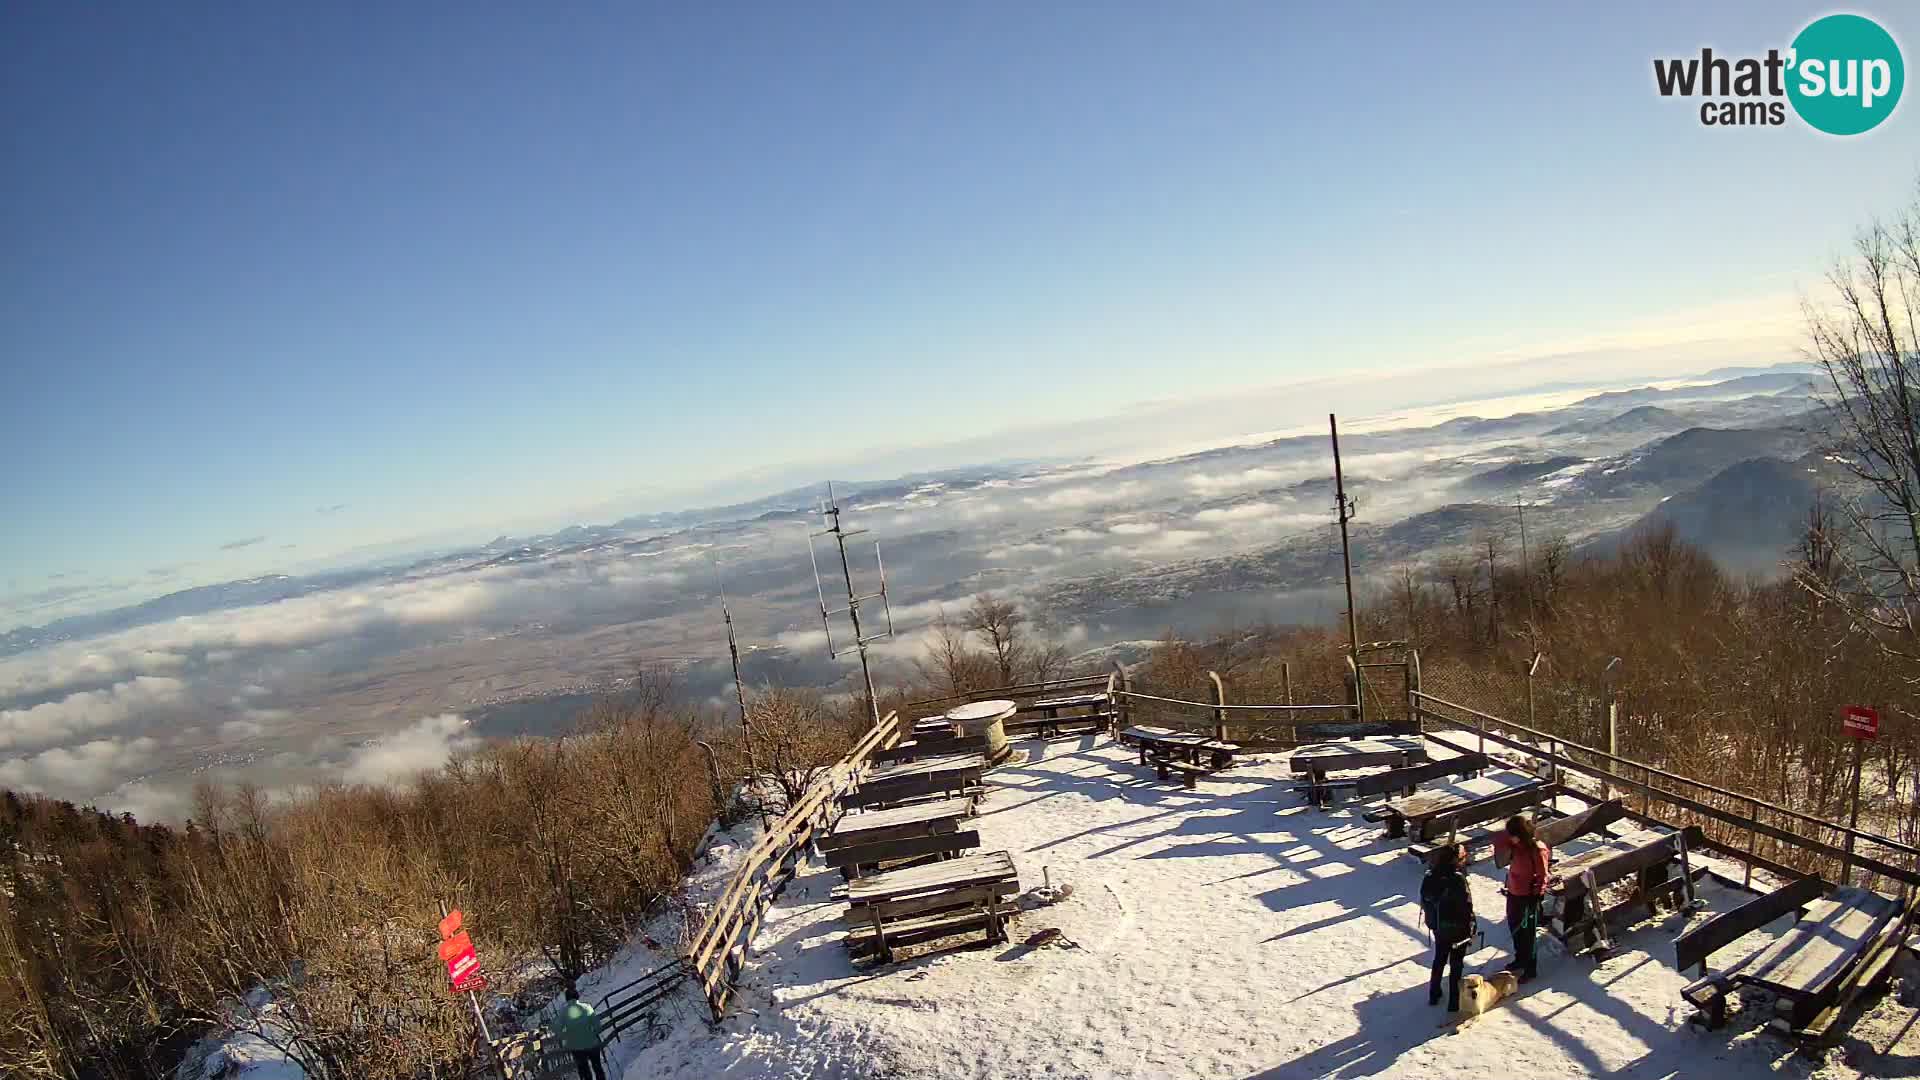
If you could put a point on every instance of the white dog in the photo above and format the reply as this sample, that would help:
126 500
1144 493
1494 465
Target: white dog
1478 993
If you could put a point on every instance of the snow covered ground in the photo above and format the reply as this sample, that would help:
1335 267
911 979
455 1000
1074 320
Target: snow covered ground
1224 932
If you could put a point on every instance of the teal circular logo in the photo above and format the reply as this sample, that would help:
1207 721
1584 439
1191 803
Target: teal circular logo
1845 74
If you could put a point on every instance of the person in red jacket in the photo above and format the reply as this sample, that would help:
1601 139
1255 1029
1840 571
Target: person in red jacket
1526 890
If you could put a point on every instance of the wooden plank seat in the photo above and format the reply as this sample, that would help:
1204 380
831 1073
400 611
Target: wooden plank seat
1189 772
852 858
889 924
1438 813
903 780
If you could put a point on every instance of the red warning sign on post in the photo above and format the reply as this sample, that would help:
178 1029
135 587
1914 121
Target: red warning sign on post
1860 722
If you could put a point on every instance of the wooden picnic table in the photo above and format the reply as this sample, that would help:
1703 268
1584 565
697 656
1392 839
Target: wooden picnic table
993 868
897 823
1358 754
1803 962
1581 921
927 766
1843 944
1188 744
911 780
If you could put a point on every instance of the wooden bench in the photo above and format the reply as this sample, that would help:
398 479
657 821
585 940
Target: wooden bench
1842 945
1409 778
853 859
1190 773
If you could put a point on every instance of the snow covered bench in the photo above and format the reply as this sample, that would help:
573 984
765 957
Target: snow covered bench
920 903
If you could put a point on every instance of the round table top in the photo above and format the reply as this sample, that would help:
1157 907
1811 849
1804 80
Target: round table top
981 710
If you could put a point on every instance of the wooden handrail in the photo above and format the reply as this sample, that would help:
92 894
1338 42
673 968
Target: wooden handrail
733 918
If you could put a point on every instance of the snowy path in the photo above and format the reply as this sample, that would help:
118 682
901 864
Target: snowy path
1224 932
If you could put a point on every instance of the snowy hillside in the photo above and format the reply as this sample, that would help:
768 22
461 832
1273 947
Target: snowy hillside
1225 932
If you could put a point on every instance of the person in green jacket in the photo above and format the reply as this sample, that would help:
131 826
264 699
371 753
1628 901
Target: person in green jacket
579 1031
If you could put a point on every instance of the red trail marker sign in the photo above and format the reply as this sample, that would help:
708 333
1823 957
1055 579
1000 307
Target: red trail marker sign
1860 722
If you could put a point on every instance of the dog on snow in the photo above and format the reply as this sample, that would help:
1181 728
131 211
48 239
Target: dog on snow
1478 993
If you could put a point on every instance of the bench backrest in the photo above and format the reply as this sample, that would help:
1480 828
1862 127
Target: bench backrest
1396 779
911 847
1559 831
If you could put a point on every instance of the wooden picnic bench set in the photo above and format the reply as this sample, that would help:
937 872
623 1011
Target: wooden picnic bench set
1188 754
1063 715
913 873
1841 944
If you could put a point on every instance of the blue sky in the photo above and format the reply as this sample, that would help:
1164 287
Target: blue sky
350 274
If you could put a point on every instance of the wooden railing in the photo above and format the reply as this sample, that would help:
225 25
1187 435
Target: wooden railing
719 947
1740 812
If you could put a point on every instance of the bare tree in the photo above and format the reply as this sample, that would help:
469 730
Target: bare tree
1002 624
1867 342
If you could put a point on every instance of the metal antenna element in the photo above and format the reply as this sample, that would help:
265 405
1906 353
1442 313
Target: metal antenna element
1346 508
830 514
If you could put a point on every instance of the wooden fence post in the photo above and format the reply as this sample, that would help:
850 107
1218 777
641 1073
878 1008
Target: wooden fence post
1414 715
1123 705
1219 699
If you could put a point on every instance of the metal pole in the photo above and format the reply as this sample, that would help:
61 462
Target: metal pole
1526 566
478 1016
1753 840
853 614
1613 723
1346 562
1853 816
1219 699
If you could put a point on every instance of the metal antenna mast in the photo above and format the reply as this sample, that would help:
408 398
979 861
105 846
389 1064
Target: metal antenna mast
1345 506
739 685
830 513
1526 566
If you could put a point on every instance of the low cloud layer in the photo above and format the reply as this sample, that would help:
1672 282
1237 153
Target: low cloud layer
426 744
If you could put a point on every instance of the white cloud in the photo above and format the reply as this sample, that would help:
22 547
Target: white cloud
1077 535
148 802
426 744
1070 498
1134 528
77 771
1014 552
1250 479
87 711
1243 512
802 640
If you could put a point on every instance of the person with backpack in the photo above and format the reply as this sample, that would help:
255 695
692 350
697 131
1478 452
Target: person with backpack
1526 891
579 1031
1448 905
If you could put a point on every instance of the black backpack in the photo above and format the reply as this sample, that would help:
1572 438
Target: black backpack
1448 904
